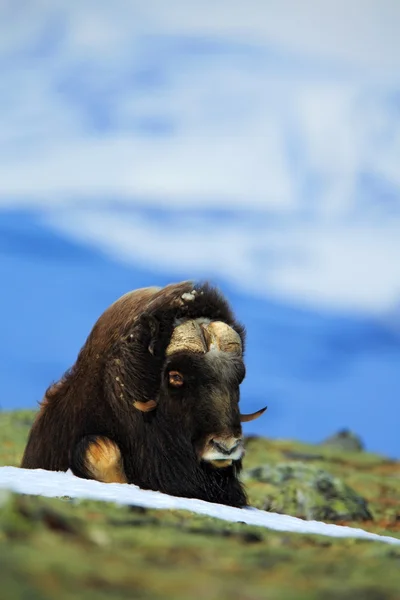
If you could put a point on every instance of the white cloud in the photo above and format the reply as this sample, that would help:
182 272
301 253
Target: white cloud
254 128
183 171
362 33
349 268
234 119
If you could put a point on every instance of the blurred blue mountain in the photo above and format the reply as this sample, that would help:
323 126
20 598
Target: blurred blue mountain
257 146
317 371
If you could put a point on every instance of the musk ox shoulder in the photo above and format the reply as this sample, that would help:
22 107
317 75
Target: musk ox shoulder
153 398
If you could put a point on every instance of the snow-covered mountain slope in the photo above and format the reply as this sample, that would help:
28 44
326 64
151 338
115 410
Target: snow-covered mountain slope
53 484
258 147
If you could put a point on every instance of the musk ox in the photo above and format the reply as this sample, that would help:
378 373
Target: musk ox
153 398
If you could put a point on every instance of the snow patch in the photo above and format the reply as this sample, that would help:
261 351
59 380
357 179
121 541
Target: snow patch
188 297
52 484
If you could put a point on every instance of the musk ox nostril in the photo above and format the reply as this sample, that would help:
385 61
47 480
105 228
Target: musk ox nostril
227 447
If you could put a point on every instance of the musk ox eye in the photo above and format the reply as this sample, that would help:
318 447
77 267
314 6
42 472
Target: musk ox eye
175 378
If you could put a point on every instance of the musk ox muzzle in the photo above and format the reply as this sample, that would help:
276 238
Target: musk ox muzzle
221 451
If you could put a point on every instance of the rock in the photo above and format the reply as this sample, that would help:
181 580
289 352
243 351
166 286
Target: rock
309 493
344 440
305 456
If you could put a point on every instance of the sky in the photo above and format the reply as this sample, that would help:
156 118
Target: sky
293 120
257 146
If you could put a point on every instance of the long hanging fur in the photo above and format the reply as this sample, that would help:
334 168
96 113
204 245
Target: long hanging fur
121 363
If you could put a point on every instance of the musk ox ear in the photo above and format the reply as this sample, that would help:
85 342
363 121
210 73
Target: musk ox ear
132 373
133 368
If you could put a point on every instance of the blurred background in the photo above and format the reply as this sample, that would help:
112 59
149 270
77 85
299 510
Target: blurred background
255 144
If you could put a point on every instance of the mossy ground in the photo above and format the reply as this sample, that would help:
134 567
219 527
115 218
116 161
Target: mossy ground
58 548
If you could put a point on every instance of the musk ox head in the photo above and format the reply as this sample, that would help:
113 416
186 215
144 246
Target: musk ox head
153 398
200 381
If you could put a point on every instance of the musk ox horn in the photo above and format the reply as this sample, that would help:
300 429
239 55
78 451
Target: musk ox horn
222 337
145 406
194 336
252 416
187 336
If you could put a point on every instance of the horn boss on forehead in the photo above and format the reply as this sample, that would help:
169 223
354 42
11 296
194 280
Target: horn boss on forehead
200 336
187 336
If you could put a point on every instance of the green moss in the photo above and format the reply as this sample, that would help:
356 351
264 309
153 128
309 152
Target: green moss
308 492
58 548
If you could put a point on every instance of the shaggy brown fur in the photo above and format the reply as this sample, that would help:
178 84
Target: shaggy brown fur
94 420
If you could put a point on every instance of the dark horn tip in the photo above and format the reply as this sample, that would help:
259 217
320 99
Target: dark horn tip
253 416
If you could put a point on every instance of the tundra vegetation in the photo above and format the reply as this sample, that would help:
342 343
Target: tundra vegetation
59 548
